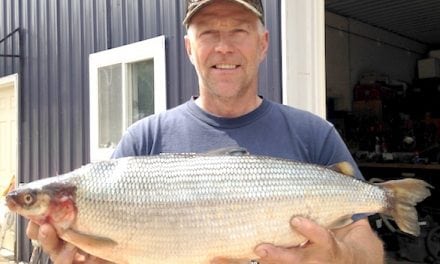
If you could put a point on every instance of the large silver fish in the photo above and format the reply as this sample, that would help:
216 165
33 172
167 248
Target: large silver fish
186 209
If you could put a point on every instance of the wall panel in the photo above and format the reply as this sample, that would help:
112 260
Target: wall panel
56 38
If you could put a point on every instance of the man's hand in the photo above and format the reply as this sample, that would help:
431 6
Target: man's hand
58 251
355 243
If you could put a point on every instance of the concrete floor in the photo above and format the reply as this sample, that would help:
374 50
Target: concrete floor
6 257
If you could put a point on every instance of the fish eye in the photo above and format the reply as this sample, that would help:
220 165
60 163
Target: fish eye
28 198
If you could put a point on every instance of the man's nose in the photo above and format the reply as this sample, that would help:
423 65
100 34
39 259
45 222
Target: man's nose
224 44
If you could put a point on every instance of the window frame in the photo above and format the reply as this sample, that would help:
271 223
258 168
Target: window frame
303 55
153 48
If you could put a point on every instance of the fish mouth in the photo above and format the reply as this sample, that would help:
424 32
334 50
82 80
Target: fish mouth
10 201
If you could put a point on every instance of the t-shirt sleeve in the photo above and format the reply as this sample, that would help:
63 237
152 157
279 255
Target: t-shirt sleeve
136 139
126 146
334 150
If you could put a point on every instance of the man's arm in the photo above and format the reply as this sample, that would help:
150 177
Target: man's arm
355 243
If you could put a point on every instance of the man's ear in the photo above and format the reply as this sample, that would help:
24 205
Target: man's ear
188 48
264 45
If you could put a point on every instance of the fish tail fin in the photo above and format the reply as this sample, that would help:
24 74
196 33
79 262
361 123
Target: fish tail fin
403 195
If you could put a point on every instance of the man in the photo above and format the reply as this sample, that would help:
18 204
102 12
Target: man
226 43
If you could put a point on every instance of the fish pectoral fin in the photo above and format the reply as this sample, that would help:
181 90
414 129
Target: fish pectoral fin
94 245
226 260
343 167
341 222
228 151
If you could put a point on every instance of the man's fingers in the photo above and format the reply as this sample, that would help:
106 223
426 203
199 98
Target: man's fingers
32 230
49 240
59 251
311 231
269 253
66 254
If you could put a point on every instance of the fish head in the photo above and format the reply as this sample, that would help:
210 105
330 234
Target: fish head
52 203
29 203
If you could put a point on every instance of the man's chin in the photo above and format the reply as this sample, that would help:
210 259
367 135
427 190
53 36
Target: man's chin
227 92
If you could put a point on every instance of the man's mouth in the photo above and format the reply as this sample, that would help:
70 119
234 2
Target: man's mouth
225 66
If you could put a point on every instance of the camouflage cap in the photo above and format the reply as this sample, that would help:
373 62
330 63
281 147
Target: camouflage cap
193 6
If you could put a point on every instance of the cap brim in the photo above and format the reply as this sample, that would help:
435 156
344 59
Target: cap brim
191 13
202 4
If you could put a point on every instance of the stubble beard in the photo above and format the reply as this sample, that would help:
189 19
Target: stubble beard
226 91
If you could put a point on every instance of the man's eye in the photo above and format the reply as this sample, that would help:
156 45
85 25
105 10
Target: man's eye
207 33
240 30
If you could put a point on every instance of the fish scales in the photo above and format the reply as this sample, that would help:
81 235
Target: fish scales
190 208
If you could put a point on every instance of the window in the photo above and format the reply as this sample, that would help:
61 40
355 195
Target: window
126 84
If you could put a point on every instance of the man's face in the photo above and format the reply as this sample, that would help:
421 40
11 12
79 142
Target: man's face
226 43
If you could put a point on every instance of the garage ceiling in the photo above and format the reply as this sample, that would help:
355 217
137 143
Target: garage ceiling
418 20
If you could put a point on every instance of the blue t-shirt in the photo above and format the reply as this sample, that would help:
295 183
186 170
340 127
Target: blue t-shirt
272 129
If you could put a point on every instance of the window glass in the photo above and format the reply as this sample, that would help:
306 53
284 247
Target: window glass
141 87
110 105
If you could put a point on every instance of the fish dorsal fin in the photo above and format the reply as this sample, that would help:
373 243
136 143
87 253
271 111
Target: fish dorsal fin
341 222
183 154
228 151
343 167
